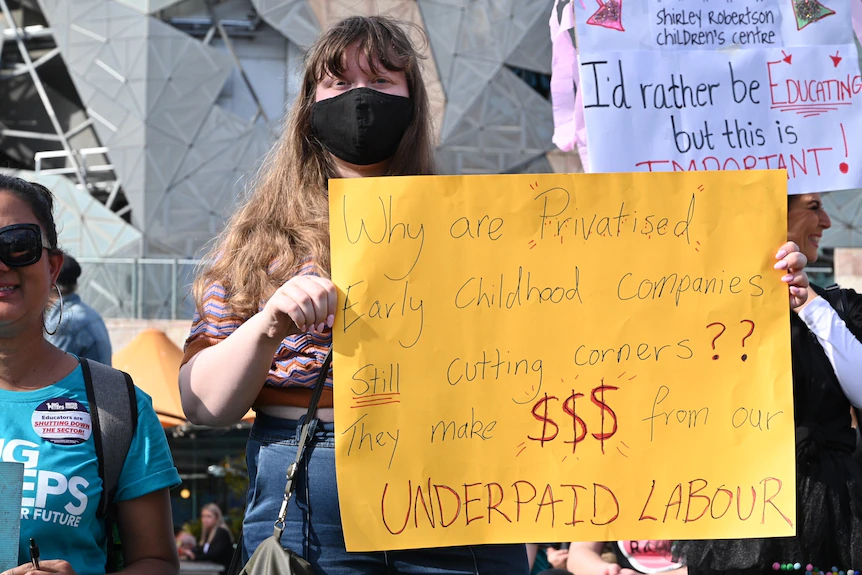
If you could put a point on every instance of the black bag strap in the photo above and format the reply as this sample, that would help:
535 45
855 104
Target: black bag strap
308 428
114 413
235 565
114 417
837 298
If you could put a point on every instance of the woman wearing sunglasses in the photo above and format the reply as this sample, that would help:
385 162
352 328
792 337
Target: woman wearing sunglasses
45 423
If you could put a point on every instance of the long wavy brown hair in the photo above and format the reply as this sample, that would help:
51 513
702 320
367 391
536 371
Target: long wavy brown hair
285 221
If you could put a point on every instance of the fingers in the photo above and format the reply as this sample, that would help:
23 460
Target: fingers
45 568
798 282
797 279
331 297
787 248
299 303
798 297
309 301
557 557
790 258
58 566
20 569
792 261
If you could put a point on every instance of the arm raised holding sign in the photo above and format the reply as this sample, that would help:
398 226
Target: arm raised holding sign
838 329
824 348
242 361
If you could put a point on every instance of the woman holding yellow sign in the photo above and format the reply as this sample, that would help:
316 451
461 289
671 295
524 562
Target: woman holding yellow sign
826 331
266 306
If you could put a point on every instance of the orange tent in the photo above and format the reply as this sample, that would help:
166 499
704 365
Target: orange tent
153 361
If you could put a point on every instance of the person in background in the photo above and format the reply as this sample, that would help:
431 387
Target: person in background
35 376
76 328
632 557
185 542
827 379
216 542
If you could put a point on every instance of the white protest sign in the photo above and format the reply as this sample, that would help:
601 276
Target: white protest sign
684 85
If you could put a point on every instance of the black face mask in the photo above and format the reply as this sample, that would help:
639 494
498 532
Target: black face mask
362 126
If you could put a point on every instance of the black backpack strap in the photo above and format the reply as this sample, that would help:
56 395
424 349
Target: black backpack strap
114 412
836 297
114 416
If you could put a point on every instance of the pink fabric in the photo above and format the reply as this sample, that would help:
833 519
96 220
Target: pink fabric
569 127
564 76
856 15
581 128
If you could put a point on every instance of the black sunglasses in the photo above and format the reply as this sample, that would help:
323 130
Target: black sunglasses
20 245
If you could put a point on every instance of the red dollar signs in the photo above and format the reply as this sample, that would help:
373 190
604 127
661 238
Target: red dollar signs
576 420
545 421
600 403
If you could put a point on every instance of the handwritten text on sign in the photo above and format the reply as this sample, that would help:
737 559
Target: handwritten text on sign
701 85
560 358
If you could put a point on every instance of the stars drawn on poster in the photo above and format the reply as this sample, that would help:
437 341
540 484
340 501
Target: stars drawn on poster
609 15
809 11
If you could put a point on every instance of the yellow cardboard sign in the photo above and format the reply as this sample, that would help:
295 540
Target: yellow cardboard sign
561 357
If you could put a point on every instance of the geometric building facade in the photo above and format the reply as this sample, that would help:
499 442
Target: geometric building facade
186 96
149 117
160 111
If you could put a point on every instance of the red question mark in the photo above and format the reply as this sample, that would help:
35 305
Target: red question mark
718 335
746 336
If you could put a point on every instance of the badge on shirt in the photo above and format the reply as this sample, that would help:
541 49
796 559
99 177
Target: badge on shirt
62 421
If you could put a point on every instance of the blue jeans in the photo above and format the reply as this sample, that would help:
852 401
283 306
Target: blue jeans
313 526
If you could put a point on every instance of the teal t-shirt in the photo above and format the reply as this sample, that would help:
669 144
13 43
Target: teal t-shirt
50 432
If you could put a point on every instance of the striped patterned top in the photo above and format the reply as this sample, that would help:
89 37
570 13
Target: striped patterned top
295 365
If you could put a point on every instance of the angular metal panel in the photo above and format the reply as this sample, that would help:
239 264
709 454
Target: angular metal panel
85 227
293 18
507 126
149 6
533 50
134 71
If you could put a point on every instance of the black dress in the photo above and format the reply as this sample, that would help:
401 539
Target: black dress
220 550
829 480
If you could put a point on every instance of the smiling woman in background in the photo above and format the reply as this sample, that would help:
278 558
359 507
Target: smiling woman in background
827 379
